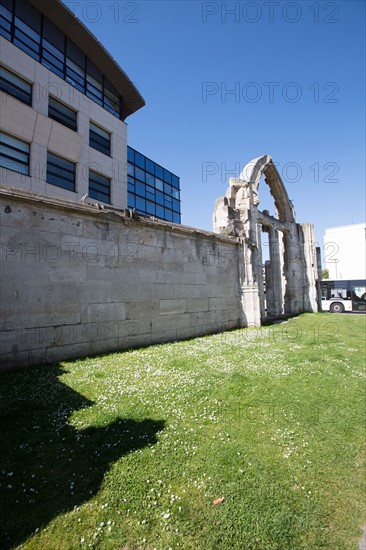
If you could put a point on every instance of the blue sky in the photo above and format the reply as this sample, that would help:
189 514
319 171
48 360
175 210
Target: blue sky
297 75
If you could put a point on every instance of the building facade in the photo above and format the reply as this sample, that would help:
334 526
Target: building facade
64 102
345 251
152 190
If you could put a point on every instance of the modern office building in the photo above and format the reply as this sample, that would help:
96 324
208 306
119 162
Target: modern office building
345 251
152 190
64 101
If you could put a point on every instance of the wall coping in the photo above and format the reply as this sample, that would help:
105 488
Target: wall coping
108 213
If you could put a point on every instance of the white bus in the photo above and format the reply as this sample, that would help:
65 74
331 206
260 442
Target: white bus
343 295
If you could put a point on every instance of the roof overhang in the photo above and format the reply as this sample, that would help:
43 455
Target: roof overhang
71 26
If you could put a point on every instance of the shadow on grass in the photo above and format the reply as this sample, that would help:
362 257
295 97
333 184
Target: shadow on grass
47 466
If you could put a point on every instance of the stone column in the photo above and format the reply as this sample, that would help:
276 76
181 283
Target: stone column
274 308
292 270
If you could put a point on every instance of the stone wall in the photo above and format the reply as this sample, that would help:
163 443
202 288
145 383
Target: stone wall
77 281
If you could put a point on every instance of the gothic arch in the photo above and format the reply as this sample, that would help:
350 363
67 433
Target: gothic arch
252 173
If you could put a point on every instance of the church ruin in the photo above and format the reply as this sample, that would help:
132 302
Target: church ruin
288 286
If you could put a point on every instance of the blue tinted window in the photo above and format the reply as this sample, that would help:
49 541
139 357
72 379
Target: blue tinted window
60 172
150 193
15 86
175 193
176 205
150 208
176 217
159 172
130 155
168 189
140 188
140 204
99 187
14 154
58 111
159 211
130 169
150 166
139 160
159 184
139 174
99 139
150 179
131 201
168 215
5 20
175 181
167 176
159 198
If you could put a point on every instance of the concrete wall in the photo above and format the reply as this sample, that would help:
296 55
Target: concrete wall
76 280
33 125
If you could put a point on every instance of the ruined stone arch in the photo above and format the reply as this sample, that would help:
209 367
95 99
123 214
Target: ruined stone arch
264 166
291 272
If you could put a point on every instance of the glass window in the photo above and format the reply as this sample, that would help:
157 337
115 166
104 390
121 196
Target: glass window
175 181
5 18
99 139
167 176
131 201
159 211
159 184
58 111
140 204
94 89
176 205
130 155
53 58
60 172
150 208
150 166
15 86
27 12
168 202
167 189
14 154
159 171
75 54
168 215
99 187
159 198
140 188
140 160
27 39
53 37
150 193
130 169
140 174
150 179
176 217
111 98
75 75
175 193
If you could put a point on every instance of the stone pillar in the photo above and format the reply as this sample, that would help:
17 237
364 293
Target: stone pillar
274 308
309 268
249 292
292 270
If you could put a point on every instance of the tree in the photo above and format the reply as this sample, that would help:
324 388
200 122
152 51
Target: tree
325 274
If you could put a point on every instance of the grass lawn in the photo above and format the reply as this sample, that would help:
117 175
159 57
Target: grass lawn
130 449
